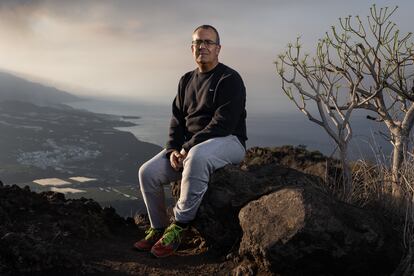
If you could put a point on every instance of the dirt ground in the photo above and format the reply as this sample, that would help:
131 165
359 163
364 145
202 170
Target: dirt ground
118 257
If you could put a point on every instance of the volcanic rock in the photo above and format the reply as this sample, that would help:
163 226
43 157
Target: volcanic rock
301 230
291 207
46 232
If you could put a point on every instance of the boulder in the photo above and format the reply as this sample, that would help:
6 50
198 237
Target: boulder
294 220
300 230
230 188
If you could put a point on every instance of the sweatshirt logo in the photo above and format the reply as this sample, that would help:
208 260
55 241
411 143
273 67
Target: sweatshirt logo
211 90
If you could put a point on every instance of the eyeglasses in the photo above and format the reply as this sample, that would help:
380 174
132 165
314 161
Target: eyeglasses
207 42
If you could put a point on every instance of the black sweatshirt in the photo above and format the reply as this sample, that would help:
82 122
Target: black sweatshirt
207 105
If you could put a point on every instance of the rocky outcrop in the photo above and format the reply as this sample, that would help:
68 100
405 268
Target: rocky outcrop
229 190
263 171
46 232
282 220
298 158
267 217
300 230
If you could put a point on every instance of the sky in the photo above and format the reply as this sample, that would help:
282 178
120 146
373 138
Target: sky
138 50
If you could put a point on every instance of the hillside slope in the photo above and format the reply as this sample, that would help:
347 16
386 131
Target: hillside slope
13 88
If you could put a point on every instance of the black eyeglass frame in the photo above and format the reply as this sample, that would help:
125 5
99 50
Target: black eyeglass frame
206 42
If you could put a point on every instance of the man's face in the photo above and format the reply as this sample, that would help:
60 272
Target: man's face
205 54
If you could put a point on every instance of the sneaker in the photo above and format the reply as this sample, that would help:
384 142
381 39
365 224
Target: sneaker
153 235
169 242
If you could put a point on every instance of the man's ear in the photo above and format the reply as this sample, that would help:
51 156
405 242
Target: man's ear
218 48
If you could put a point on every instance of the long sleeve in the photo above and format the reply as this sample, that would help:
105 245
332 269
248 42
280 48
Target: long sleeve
231 99
176 136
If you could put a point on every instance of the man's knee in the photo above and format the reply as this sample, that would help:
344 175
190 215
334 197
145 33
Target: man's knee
146 176
142 171
150 169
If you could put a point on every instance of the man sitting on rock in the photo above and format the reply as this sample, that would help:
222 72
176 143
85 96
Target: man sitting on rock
207 132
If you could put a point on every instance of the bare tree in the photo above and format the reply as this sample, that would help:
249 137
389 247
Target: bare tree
377 63
326 94
385 59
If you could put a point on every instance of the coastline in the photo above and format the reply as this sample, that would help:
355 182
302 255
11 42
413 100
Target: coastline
61 142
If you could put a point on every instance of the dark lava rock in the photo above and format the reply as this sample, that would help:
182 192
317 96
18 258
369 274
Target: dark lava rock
317 230
303 231
298 158
46 232
233 188
230 189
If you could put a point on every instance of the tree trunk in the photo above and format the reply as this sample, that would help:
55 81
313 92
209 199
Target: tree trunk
346 172
398 156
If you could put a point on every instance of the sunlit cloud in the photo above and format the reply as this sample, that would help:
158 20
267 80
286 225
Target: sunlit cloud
139 49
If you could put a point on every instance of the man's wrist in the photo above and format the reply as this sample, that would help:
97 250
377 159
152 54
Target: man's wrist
169 151
186 147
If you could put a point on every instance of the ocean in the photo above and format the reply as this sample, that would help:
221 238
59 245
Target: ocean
263 129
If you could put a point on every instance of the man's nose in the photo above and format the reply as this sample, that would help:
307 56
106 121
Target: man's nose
202 45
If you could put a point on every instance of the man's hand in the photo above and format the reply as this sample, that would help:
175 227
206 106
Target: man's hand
176 160
183 153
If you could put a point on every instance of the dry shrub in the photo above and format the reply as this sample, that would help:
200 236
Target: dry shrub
372 184
368 183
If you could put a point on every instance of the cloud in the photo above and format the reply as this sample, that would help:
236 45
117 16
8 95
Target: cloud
122 16
141 48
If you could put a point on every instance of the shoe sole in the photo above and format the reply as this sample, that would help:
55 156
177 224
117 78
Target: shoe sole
141 249
162 256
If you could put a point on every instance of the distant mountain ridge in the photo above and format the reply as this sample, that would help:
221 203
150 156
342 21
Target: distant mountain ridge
13 88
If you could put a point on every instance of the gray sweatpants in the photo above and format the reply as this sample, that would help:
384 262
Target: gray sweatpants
201 161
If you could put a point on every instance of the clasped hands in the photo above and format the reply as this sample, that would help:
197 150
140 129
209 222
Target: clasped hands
177 158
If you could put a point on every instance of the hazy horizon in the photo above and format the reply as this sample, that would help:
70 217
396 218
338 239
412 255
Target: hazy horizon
137 50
